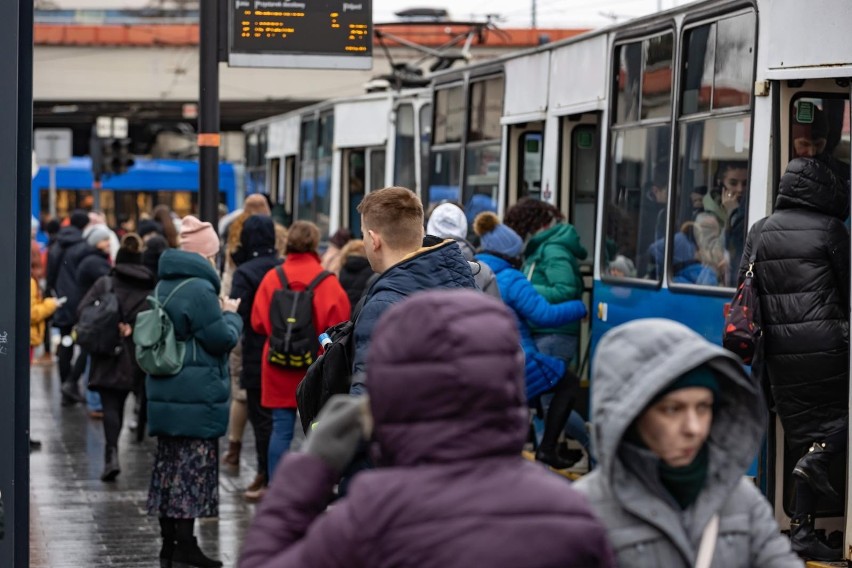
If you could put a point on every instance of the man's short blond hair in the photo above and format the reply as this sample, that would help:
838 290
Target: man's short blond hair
396 213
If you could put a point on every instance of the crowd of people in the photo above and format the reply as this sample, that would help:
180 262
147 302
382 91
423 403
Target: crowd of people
453 344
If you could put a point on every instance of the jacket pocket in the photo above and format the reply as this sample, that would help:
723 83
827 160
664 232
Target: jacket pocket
642 546
733 544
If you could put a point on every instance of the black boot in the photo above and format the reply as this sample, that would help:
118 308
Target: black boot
806 544
187 554
71 393
167 531
552 458
813 468
111 467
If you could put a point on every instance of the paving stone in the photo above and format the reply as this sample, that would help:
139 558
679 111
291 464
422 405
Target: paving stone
77 520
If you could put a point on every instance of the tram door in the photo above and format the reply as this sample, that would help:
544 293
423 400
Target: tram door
282 178
815 106
526 148
363 171
579 161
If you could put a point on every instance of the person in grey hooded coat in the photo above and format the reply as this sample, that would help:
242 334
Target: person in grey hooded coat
657 495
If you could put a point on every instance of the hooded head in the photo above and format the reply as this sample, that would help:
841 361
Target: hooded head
473 404
497 237
809 138
198 237
256 204
447 221
256 239
810 183
638 363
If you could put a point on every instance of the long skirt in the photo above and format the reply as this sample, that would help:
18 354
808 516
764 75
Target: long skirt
185 480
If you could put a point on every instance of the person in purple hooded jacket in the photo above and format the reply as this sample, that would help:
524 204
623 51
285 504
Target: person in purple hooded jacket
449 419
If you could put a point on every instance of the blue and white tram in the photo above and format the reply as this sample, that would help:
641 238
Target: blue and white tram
662 140
316 163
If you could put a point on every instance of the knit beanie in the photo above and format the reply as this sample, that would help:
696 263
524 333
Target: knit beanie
198 236
79 219
340 237
448 222
700 376
497 237
96 234
154 249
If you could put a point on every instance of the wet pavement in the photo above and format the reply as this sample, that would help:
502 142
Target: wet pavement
77 520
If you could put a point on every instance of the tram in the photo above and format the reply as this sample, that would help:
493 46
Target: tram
318 162
633 131
148 183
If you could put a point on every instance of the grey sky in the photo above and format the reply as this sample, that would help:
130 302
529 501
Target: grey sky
551 13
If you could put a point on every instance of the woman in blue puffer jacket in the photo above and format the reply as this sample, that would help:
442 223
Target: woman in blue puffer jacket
501 251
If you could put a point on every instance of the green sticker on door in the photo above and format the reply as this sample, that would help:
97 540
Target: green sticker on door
805 112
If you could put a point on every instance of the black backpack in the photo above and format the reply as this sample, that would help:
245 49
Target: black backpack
96 331
293 343
330 375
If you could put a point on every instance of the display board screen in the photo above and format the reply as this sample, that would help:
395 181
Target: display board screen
327 34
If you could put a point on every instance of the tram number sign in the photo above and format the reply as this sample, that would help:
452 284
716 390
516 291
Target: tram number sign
307 34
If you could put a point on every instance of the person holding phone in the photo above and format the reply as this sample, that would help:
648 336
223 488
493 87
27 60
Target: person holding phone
447 419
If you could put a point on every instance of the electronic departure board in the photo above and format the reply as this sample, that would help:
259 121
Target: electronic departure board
327 34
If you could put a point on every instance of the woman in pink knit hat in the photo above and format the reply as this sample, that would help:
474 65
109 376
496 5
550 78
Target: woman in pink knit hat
188 412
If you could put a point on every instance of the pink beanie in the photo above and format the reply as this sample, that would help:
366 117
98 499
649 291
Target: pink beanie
199 237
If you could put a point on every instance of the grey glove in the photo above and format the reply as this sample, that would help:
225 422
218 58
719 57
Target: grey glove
338 430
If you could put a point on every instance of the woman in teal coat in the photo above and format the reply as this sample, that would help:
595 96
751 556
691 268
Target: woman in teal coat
188 412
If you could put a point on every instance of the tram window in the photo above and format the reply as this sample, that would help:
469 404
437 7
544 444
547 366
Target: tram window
482 170
718 64
449 115
635 222
444 176
820 125
326 135
711 201
657 76
530 153
584 181
307 190
377 169
404 163
425 136
323 196
275 189
627 82
486 107
356 171
309 139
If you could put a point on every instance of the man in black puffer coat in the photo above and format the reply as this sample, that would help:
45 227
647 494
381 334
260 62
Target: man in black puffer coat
802 276
254 258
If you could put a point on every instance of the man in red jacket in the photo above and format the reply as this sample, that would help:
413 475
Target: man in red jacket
331 306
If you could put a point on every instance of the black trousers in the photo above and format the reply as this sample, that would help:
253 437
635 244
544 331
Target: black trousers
564 396
113 404
261 422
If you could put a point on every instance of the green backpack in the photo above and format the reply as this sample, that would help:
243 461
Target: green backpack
158 352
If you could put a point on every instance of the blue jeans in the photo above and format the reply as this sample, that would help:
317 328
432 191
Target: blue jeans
93 398
565 347
283 421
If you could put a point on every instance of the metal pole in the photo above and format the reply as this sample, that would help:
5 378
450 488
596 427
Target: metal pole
51 191
208 114
534 22
16 123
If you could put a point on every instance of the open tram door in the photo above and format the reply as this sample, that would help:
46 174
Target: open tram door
363 171
823 104
579 161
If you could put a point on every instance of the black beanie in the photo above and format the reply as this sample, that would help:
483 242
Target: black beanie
79 219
